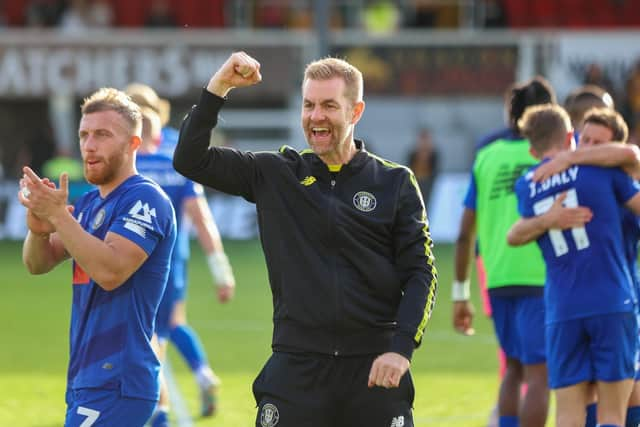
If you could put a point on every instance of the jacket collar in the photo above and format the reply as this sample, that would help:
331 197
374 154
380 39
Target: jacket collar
358 160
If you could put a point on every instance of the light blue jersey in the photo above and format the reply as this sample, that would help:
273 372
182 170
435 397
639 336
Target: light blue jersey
111 330
587 271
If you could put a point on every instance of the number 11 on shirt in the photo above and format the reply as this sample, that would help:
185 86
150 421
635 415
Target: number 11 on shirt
558 240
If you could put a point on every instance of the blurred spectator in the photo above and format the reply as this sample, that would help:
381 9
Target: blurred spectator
632 107
300 17
84 15
380 16
43 13
4 21
595 75
37 149
347 15
431 14
494 14
76 17
101 13
160 15
423 161
422 14
272 13
584 98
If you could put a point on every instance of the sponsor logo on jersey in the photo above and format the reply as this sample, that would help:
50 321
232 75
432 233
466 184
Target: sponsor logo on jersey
136 228
142 212
269 416
141 219
364 201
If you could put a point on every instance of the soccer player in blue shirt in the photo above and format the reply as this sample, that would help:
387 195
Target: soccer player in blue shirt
188 200
589 295
120 237
515 277
600 126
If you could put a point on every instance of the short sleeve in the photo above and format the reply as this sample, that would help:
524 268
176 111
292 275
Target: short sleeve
144 216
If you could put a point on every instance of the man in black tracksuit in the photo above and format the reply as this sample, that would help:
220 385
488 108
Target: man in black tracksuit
347 247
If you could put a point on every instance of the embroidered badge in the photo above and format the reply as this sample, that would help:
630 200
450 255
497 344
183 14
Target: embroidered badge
99 219
269 415
364 201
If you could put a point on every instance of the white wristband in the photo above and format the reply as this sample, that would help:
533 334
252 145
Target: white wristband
460 291
220 268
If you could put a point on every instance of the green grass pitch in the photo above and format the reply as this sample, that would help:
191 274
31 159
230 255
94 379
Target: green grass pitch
455 376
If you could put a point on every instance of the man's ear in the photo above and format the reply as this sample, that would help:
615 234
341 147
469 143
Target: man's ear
533 152
135 142
569 141
356 114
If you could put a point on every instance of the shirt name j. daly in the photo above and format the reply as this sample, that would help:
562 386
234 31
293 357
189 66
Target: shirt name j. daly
561 178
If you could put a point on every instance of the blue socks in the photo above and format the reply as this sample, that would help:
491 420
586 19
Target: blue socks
508 421
188 343
591 415
633 416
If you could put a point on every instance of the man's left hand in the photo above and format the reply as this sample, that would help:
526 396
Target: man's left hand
44 200
387 370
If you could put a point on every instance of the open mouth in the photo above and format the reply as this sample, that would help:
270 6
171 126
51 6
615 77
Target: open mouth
320 132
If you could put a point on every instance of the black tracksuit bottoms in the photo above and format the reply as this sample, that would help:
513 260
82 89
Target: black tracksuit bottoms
314 390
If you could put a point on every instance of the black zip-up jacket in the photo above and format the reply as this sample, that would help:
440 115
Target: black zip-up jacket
348 254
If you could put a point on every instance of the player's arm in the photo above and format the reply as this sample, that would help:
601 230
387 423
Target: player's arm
109 263
41 252
614 154
225 169
42 249
527 230
415 264
198 212
633 204
463 310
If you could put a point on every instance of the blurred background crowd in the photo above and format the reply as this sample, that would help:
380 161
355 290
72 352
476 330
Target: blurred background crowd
436 71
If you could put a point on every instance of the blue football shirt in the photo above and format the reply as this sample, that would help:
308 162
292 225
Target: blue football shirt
110 330
159 168
587 270
631 234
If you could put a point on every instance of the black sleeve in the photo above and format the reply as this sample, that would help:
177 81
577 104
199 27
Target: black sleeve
415 261
225 169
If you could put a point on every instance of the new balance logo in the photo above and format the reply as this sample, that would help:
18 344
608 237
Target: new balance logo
142 212
308 181
397 421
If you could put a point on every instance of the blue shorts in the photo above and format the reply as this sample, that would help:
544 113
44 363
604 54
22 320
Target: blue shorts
98 407
597 348
174 293
519 326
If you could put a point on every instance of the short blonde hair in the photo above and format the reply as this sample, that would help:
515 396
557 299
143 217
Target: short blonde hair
545 126
610 119
110 99
329 68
